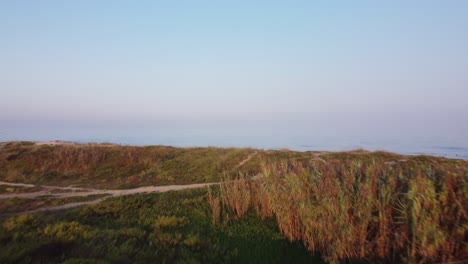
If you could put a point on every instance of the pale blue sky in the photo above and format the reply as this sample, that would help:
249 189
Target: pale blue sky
362 67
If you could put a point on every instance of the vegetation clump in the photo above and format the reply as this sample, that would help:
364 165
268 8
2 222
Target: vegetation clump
349 206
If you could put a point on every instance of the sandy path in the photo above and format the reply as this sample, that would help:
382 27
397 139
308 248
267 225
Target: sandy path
49 191
59 207
86 192
83 192
17 184
246 159
110 193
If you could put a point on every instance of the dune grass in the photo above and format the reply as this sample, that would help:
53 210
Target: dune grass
112 166
353 206
359 206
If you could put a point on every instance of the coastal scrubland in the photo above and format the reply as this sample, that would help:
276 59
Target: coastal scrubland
271 206
173 227
376 207
113 166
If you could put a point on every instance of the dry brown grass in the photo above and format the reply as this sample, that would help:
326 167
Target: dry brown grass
360 206
113 166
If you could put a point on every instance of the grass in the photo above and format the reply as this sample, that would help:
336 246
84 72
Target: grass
280 206
173 227
112 166
360 206
14 205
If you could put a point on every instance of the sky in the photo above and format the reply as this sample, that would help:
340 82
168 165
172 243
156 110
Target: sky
369 69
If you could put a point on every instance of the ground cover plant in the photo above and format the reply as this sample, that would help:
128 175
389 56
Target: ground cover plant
172 227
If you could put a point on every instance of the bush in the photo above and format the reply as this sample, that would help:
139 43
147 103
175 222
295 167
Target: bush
67 231
164 222
22 222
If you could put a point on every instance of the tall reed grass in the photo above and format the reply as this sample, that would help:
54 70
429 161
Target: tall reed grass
362 207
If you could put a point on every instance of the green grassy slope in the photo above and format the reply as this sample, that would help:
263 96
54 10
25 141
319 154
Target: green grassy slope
112 166
173 227
353 206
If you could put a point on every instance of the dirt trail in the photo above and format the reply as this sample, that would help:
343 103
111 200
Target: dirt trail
87 192
59 207
49 191
68 192
17 184
246 160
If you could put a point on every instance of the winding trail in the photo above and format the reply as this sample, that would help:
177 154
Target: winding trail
82 192
246 160
68 192
59 207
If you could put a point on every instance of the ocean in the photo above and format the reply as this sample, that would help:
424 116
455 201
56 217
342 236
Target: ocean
293 139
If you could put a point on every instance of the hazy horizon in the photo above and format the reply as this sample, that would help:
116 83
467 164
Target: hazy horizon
323 74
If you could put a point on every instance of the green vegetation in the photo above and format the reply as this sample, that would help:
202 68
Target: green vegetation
173 227
273 206
15 205
112 166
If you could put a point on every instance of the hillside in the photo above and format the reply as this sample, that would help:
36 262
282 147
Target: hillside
131 204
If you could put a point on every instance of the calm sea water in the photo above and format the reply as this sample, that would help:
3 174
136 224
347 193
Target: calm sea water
263 139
